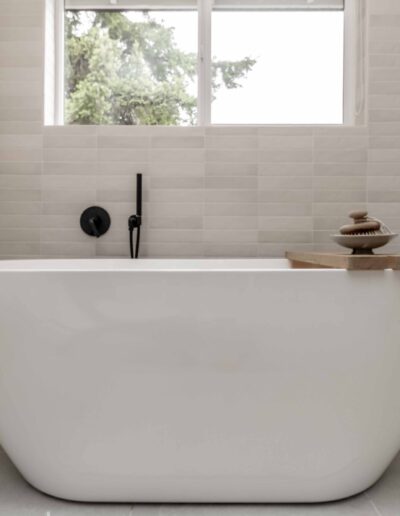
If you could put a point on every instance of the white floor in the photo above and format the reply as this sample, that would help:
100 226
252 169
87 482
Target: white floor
17 498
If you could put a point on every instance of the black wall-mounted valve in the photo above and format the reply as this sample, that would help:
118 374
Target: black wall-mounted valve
95 221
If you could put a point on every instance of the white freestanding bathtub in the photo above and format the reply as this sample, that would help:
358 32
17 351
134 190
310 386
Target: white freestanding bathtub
198 381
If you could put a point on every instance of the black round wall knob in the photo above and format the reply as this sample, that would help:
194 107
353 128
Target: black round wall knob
95 221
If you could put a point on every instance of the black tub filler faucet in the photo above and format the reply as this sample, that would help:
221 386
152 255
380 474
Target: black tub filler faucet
135 221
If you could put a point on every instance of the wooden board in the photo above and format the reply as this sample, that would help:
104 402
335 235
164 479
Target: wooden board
377 262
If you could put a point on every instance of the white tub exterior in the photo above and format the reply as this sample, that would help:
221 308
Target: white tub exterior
198 381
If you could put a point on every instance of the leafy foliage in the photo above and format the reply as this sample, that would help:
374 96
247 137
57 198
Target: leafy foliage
120 71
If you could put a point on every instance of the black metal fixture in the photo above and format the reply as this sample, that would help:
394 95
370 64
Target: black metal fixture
95 221
135 221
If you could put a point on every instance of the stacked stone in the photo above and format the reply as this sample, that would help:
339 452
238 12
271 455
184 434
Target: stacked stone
362 225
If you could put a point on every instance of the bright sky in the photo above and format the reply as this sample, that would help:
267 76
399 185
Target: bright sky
298 78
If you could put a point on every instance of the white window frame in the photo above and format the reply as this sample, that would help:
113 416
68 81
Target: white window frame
54 72
354 63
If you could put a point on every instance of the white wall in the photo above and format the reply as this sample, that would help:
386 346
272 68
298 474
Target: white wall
208 192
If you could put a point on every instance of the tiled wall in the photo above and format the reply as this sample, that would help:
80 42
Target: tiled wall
208 192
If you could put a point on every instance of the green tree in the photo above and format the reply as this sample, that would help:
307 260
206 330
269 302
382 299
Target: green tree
125 72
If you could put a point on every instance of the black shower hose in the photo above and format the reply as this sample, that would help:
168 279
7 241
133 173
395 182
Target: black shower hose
134 252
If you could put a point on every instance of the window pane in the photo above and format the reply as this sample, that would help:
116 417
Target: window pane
131 67
291 66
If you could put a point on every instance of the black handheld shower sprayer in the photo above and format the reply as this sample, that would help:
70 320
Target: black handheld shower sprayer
135 221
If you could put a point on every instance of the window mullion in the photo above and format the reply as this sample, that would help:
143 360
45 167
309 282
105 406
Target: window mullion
205 62
60 63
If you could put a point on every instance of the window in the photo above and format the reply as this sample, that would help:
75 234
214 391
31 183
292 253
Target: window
131 67
189 62
295 70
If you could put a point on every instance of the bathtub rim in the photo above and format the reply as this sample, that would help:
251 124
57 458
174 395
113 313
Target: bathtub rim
223 265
